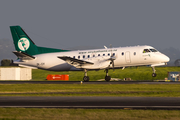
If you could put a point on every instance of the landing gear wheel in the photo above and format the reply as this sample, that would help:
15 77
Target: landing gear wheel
86 79
154 74
108 78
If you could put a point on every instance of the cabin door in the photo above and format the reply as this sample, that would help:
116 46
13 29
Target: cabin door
127 57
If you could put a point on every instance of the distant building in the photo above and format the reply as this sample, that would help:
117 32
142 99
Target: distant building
177 62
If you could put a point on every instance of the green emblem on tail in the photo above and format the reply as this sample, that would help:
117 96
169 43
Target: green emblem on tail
23 44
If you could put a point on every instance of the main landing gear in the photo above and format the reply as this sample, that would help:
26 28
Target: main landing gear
85 78
154 74
107 78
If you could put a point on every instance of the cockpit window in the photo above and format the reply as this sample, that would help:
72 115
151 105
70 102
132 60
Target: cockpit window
146 51
153 50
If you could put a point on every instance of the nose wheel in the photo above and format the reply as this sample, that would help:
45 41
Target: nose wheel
154 74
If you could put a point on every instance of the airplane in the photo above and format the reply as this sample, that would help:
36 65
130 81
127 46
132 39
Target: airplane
33 56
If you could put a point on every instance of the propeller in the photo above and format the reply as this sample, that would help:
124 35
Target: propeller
112 57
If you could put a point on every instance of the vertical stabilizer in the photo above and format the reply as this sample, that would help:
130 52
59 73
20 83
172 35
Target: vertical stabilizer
22 41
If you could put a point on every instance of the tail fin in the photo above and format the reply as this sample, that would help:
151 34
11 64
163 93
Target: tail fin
23 42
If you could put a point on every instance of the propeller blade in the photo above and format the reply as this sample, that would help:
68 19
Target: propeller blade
112 58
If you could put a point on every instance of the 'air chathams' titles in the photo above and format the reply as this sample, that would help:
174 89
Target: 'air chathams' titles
98 51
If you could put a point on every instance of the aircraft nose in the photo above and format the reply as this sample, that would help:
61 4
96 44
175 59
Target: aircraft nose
166 58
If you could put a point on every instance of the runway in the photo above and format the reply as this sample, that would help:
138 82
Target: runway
90 82
92 102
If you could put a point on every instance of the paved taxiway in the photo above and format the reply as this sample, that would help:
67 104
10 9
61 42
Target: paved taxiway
92 102
90 82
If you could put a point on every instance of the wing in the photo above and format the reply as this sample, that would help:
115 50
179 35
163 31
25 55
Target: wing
75 62
23 56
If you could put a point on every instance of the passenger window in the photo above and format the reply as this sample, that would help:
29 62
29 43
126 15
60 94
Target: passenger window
78 57
74 57
134 53
88 56
93 55
83 56
146 51
122 53
98 54
108 54
103 54
113 54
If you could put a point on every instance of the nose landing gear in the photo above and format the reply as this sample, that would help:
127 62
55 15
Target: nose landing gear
154 74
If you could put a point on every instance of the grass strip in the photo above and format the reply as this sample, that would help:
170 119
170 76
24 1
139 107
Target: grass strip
77 114
147 90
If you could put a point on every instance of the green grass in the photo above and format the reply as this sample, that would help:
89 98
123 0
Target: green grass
135 73
148 90
86 114
140 73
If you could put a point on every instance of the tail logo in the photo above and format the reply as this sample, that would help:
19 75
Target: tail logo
23 44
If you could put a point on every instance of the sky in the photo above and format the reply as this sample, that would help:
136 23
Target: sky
67 24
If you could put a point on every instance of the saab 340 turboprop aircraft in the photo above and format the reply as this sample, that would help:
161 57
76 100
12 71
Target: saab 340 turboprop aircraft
30 55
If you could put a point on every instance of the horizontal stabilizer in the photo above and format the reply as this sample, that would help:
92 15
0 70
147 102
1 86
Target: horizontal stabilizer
23 56
73 61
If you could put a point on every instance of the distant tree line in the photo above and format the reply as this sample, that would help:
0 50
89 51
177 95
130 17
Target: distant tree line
7 62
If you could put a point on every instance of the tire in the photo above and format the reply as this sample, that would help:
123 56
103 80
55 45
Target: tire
107 78
154 74
86 79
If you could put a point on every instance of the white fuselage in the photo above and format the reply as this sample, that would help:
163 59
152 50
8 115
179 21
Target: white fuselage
124 56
